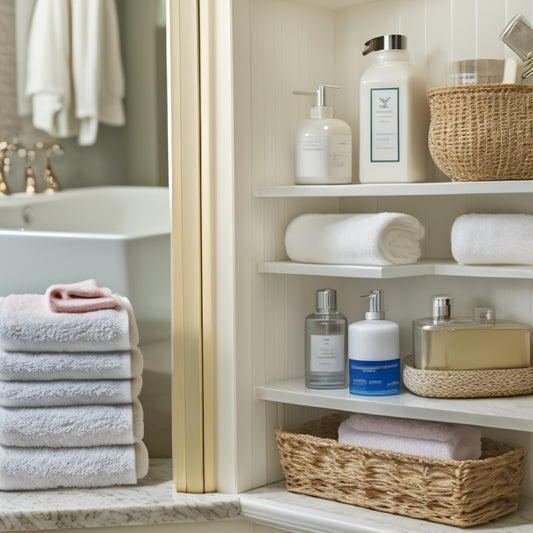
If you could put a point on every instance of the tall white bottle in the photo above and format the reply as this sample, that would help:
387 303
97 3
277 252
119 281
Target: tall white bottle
323 145
374 352
394 115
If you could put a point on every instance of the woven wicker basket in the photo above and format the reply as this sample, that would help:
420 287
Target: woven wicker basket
482 132
467 383
460 493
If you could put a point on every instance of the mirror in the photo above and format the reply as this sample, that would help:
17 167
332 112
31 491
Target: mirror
133 154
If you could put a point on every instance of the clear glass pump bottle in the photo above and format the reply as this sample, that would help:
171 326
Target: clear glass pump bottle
325 344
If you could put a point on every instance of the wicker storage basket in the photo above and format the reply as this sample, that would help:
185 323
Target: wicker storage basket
460 493
482 132
467 383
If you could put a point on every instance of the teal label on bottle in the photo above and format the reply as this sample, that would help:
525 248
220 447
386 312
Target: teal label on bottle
385 125
375 378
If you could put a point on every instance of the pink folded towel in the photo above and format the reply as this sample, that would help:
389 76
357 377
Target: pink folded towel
439 440
81 297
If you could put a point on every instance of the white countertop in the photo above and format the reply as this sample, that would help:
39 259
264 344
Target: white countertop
152 501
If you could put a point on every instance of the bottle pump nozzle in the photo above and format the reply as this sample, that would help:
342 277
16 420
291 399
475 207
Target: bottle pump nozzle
320 110
375 311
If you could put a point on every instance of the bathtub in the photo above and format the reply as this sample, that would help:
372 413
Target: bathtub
119 236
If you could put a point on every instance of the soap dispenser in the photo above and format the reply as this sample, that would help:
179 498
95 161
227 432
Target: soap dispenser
323 145
374 351
393 115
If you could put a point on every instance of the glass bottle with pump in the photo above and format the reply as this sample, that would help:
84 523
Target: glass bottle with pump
325 344
323 145
480 342
393 115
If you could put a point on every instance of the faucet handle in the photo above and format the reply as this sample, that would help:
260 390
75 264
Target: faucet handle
29 175
51 184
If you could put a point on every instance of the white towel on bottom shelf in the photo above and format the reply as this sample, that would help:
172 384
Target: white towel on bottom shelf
59 393
439 440
360 239
71 426
493 239
47 468
35 366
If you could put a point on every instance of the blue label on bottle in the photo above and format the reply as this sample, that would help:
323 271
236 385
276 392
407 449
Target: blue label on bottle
375 378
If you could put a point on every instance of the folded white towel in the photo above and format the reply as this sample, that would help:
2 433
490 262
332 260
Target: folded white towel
362 239
27 324
36 366
506 239
71 427
439 440
59 393
47 468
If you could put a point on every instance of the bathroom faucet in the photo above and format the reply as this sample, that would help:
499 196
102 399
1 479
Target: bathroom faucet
50 182
4 167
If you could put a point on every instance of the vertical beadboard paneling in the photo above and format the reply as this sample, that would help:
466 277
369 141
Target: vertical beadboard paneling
293 45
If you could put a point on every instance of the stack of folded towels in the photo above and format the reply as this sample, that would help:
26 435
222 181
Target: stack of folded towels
70 376
424 438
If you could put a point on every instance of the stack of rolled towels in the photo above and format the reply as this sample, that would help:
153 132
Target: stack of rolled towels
70 376
423 438
355 239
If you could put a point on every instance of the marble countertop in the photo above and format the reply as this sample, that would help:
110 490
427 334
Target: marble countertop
152 501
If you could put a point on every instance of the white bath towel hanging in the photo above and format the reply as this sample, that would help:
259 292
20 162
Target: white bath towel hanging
48 83
96 67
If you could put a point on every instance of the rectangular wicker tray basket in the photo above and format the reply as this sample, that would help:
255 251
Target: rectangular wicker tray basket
460 493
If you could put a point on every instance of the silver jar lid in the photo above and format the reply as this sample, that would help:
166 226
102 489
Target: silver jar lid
442 307
385 42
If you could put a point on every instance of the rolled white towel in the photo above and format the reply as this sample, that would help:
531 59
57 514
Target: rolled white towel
36 366
440 440
361 239
48 468
27 324
71 427
493 239
69 392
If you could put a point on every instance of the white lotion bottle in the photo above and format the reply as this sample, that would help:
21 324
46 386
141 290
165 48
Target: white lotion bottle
374 352
323 145
394 115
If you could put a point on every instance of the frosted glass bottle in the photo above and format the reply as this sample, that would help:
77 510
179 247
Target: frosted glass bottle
374 352
325 344
323 152
393 115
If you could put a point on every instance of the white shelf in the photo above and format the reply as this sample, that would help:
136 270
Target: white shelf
426 267
274 506
504 413
397 189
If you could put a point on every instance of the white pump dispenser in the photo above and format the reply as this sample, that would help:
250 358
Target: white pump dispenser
323 145
374 351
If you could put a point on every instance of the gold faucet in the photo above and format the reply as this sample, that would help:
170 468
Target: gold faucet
4 167
50 182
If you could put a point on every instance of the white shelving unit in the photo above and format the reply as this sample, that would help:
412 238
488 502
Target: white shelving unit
396 189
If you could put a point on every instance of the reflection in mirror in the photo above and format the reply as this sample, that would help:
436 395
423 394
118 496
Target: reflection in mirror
128 226
133 154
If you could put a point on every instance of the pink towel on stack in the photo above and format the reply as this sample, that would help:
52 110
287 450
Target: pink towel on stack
81 297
